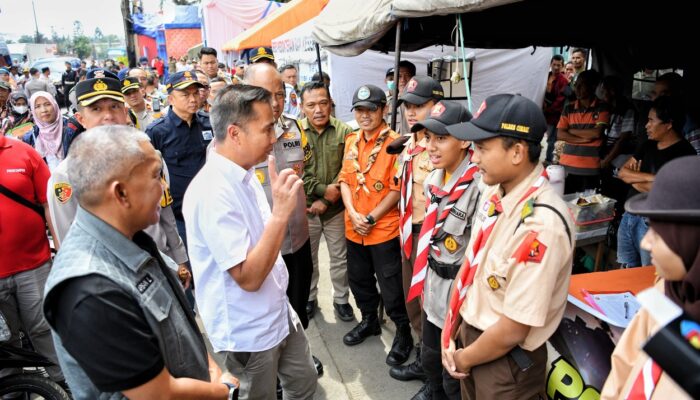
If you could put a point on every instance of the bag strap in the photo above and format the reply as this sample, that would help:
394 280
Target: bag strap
21 200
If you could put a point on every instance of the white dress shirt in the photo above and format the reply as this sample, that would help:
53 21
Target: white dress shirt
225 212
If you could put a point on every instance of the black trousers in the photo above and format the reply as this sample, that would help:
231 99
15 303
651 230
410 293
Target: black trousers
382 260
300 267
442 385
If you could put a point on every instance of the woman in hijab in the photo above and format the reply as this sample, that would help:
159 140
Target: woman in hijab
673 239
49 131
19 120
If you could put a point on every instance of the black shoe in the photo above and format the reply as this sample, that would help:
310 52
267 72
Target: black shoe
311 308
367 327
410 372
318 365
279 389
401 347
344 312
424 393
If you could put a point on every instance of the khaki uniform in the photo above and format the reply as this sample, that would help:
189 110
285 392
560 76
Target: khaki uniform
628 360
532 291
143 119
63 206
291 151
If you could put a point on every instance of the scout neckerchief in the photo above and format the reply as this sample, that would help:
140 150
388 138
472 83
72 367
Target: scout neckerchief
406 201
474 257
646 381
432 224
354 150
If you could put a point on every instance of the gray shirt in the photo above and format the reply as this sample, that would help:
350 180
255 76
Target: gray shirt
36 85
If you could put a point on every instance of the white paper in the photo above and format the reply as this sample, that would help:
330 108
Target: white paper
661 308
619 308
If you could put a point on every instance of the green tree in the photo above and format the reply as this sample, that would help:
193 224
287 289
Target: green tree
26 39
82 46
98 34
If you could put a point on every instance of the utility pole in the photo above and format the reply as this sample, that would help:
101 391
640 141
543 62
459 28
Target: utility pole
36 25
129 34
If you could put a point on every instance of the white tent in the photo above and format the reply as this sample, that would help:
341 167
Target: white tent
522 71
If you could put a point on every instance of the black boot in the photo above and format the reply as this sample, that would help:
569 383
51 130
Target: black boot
412 371
367 327
401 347
424 393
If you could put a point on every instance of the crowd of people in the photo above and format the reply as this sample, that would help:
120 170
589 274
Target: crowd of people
208 193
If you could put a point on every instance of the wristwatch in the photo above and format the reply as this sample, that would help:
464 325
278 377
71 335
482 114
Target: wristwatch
370 220
232 391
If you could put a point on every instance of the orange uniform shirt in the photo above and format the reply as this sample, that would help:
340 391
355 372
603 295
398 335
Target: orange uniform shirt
379 181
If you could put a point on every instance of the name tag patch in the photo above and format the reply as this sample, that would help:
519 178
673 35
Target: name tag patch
457 213
206 135
144 283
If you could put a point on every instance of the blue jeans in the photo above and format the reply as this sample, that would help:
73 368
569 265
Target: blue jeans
629 235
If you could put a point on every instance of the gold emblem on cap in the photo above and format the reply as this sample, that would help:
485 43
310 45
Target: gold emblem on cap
450 244
378 186
493 282
127 82
100 86
261 51
187 74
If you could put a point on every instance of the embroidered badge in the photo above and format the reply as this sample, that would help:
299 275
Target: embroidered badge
63 191
166 199
528 209
100 86
378 186
293 99
363 93
411 86
493 282
450 244
261 176
144 283
531 249
481 109
457 213
437 110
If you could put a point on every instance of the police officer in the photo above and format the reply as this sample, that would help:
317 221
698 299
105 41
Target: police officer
291 151
139 113
518 259
262 55
452 192
68 80
182 137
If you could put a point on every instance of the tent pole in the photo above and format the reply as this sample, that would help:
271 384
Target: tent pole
318 59
397 59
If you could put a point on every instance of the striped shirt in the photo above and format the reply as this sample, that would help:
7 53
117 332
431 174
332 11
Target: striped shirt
583 158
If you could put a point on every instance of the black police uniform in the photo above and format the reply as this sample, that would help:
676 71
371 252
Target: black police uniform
68 80
184 149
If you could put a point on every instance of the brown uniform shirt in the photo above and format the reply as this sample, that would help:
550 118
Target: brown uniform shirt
532 292
422 167
628 359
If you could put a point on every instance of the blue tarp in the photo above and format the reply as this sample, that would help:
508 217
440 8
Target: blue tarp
185 17
147 24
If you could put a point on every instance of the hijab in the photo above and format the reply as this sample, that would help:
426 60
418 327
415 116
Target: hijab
684 240
50 136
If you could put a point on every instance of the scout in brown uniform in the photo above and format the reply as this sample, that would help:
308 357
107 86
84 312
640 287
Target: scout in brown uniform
419 96
452 190
511 291
674 242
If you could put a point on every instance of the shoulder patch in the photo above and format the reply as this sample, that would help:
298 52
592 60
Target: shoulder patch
63 192
530 250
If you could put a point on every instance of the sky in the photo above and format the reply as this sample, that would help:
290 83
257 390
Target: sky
16 17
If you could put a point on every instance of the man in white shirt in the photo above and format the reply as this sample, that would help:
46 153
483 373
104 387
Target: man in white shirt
234 243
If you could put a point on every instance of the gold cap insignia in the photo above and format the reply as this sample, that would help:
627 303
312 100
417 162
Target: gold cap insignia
261 51
187 74
493 282
100 86
127 82
450 244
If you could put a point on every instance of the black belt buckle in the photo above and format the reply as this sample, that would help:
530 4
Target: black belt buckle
521 358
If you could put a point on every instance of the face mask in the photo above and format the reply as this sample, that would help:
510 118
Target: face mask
391 85
20 109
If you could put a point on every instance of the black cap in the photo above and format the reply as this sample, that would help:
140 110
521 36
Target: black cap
181 80
369 96
670 198
91 90
444 113
509 115
261 52
420 89
390 72
129 83
100 73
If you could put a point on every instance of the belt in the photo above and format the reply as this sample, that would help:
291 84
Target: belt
444 271
69 83
416 228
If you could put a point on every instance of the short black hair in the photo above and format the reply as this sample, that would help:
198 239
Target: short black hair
534 149
221 65
215 80
673 80
234 106
670 109
317 77
286 67
580 50
557 57
411 66
45 69
313 85
33 71
210 51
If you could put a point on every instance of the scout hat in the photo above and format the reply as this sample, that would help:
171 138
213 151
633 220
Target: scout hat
368 96
91 90
420 89
129 84
509 115
671 197
182 80
261 52
444 113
